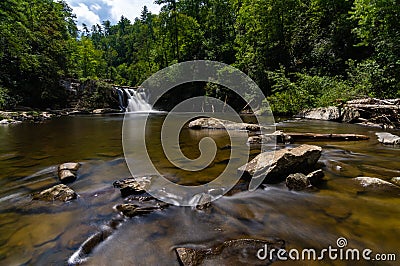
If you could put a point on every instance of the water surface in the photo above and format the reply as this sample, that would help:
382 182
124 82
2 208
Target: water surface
34 232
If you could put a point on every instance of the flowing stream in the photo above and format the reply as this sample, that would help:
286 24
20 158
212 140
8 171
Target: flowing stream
34 232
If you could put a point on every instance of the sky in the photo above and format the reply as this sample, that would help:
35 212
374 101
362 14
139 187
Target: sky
93 12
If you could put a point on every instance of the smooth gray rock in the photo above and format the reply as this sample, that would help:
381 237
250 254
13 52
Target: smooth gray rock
276 166
373 184
56 193
213 123
330 113
387 138
276 137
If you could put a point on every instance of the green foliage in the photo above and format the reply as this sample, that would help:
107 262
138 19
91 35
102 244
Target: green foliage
3 98
298 91
300 53
34 37
98 94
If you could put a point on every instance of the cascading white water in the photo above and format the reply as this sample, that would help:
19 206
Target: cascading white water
137 100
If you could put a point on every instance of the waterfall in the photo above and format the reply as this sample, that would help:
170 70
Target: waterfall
136 100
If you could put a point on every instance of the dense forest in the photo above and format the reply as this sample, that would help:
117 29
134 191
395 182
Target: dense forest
301 53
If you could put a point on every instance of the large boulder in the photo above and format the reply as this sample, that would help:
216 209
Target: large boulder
232 252
331 113
214 123
56 193
387 138
276 166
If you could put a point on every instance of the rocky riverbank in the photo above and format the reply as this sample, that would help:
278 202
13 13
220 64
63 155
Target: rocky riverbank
368 112
15 117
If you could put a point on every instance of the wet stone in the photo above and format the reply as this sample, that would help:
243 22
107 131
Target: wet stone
396 180
133 185
132 210
69 166
66 176
231 252
67 172
316 177
56 193
276 166
387 138
297 181
377 185
214 123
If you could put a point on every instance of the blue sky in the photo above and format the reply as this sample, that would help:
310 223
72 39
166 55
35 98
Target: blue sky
93 12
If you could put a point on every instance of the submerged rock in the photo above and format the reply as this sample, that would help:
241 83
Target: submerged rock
374 184
89 245
213 123
131 210
387 138
276 166
133 185
331 113
396 181
232 252
59 192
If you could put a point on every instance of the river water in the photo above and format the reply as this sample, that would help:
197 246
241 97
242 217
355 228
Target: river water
34 232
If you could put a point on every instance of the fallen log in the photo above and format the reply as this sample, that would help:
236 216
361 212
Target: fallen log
331 137
281 137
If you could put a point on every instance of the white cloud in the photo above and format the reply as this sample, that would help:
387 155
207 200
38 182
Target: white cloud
95 7
93 12
85 15
130 9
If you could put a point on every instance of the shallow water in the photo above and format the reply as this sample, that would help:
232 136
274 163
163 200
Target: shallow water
34 232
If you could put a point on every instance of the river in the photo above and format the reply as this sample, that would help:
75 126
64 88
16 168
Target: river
34 232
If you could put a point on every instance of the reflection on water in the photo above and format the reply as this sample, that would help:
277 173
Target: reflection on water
41 233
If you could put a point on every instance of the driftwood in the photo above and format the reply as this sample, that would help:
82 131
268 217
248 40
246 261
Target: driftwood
332 137
281 137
